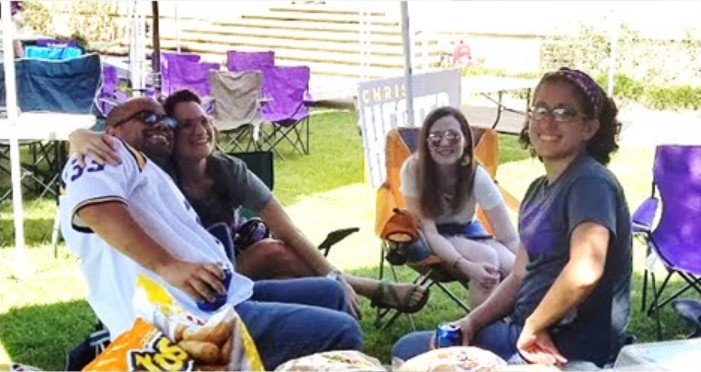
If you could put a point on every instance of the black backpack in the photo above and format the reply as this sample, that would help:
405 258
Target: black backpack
87 350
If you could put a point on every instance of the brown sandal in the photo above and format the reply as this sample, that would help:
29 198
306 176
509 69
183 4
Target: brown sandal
385 288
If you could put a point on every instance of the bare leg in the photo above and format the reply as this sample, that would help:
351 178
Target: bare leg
367 288
506 257
272 259
477 252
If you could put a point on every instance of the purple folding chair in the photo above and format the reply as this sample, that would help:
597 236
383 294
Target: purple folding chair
57 43
170 59
676 239
109 95
239 61
286 110
190 75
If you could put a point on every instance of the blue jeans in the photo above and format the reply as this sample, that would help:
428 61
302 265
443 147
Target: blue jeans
292 318
499 338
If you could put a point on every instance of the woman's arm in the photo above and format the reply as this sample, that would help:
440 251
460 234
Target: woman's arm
500 303
439 245
588 247
442 248
281 226
101 147
489 198
504 230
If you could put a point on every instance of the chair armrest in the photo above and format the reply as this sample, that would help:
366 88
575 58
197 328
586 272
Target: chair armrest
385 203
645 214
509 199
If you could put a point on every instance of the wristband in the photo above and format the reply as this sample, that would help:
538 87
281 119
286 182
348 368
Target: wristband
456 261
333 275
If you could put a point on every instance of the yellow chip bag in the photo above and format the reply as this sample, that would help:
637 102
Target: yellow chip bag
142 348
222 342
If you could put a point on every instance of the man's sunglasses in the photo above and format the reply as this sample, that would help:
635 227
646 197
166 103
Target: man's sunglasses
436 138
149 118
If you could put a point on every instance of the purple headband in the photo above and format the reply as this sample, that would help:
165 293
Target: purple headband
583 81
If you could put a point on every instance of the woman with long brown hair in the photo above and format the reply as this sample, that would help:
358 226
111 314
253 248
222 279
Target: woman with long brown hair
443 184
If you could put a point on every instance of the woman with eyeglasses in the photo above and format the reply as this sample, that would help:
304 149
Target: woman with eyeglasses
568 295
442 185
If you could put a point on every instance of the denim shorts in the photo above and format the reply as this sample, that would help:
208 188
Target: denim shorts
418 249
471 230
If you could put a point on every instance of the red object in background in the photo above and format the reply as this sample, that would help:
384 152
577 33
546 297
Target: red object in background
462 55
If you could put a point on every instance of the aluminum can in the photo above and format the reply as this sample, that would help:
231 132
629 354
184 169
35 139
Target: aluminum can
448 334
220 299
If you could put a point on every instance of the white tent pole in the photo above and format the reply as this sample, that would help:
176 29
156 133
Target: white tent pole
615 30
177 27
12 114
406 41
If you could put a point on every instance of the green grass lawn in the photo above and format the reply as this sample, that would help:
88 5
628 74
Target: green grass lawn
44 316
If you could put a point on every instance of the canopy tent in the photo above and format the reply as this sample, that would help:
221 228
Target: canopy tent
136 54
138 37
21 263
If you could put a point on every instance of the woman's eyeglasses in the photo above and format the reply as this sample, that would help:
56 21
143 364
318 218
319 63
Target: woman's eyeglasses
149 118
436 138
202 120
559 114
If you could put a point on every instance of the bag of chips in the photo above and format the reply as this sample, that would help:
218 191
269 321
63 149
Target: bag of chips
222 342
142 348
167 338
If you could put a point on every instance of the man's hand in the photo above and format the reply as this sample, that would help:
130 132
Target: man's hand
351 297
538 347
202 281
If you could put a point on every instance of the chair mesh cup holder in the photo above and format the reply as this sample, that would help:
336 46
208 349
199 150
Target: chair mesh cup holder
404 249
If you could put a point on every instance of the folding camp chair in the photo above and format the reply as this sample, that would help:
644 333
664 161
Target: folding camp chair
110 96
284 88
239 61
236 113
61 86
184 71
400 144
261 164
675 240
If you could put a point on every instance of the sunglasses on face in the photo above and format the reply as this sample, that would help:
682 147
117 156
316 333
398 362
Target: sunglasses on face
436 138
559 114
149 118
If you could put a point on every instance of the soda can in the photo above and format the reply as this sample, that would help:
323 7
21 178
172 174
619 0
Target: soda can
220 299
448 334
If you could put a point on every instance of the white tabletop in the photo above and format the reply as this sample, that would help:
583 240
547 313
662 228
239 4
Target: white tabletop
493 84
675 355
45 126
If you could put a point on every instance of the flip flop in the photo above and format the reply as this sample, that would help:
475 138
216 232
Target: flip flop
385 288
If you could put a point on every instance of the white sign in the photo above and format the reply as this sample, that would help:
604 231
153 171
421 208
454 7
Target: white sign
382 107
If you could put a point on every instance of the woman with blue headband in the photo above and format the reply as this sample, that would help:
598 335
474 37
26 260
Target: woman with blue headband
568 295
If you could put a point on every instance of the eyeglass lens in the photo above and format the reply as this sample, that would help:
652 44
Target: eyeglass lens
436 138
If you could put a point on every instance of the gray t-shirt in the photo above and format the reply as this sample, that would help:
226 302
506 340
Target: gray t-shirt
586 191
234 186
